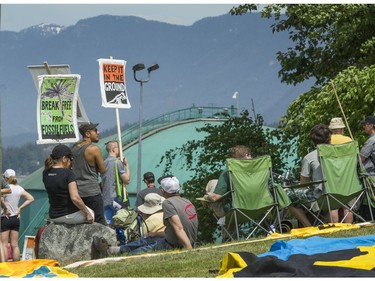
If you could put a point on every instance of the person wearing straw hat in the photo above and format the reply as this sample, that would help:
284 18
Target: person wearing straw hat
180 220
337 137
152 214
367 152
152 226
337 129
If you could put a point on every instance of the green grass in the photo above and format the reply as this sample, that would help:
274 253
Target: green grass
194 263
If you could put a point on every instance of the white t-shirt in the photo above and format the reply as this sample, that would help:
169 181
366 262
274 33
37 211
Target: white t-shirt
11 200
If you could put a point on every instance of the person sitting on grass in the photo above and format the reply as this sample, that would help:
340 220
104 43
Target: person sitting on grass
180 220
151 212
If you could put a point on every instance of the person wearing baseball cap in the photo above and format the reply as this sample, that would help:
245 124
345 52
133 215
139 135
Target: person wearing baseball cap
66 206
180 215
180 220
337 129
83 128
88 162
10 218
367 152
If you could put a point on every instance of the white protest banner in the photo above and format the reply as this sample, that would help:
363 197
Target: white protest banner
113 83
57 108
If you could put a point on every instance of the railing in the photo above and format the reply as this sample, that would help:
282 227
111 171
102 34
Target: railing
191 113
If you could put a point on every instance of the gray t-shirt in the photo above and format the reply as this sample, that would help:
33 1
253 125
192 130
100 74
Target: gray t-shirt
368 151
187 213
109 179
142 194
311 168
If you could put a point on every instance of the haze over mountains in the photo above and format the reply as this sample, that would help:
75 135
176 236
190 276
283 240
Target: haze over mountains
202 64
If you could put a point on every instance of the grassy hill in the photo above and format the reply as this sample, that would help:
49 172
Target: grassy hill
201 262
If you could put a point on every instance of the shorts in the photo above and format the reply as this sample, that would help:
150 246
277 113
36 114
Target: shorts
10 223
74 218
300 194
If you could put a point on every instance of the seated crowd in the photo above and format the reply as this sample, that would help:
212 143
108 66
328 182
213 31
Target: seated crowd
169 221
310 172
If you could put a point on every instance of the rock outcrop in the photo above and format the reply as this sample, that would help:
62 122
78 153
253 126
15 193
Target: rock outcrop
71 243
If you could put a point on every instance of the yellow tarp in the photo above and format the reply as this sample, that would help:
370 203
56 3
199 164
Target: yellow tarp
34 268
327 228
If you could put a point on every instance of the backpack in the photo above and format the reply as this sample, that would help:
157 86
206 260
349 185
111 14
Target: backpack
128 225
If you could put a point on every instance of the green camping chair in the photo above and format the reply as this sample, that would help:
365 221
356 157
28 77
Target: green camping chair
256 200
341 182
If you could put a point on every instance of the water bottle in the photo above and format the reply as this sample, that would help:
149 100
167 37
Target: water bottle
272 229
286 177
121 235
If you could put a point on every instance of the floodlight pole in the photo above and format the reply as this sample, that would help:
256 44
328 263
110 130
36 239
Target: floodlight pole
136 68
235 96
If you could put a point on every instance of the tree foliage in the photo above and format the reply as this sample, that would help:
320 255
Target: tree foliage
327 38
206 158
25 159
355 91
335 45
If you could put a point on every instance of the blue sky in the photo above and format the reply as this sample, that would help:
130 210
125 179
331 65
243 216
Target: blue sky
15 17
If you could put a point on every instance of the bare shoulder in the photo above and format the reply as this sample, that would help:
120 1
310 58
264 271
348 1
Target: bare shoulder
93 154
92 148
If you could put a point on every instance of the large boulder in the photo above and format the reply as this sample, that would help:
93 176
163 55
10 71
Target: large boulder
71 243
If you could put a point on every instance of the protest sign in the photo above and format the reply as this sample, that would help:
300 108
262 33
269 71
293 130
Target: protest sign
113 83
57 108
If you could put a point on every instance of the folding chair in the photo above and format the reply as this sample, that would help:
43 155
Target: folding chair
256 200
341 182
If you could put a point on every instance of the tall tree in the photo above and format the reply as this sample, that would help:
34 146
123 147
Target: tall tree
335 45
327 38
355 91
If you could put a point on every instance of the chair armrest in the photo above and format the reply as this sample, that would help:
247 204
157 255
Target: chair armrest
219 200
202 199
304 184
225 195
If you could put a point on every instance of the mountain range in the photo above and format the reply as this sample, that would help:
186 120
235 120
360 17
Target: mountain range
202 64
